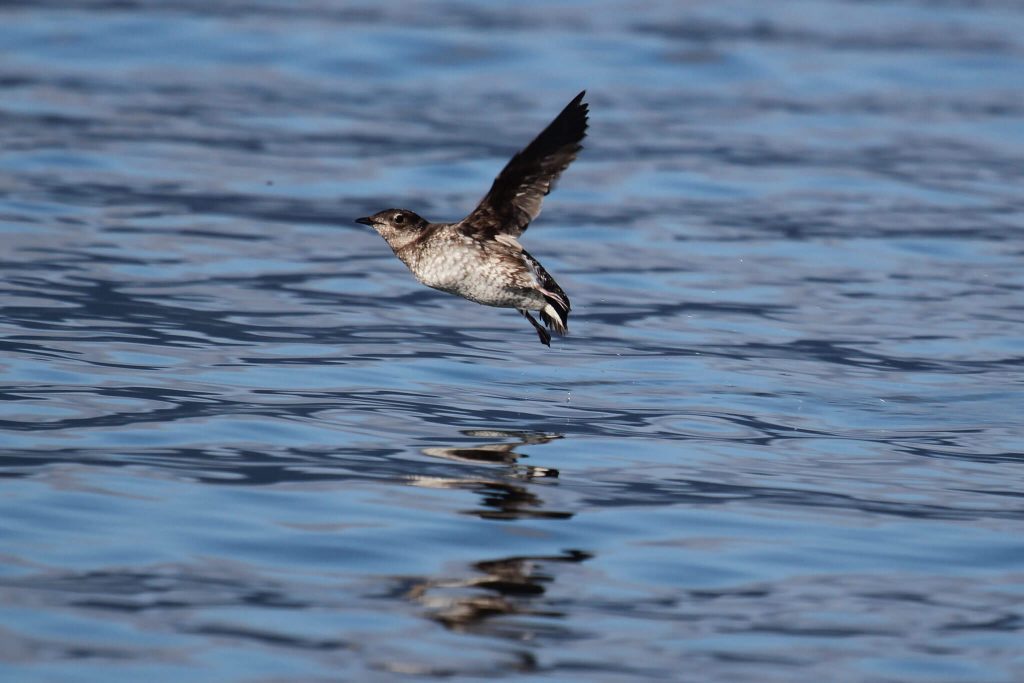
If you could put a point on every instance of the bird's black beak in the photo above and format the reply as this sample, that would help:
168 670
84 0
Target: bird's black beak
365 221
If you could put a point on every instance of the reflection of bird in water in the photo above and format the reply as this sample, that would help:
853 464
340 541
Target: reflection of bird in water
497 453
502 499
511 585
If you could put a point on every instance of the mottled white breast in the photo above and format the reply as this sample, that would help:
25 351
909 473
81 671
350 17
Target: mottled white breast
484 272
443 264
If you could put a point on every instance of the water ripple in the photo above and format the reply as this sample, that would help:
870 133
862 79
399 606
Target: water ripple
781 443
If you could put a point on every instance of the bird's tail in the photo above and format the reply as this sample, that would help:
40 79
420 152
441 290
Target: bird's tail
555 313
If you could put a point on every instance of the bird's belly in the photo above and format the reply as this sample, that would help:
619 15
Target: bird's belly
472 275
497 295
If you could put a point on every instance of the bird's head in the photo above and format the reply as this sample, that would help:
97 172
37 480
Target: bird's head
398 227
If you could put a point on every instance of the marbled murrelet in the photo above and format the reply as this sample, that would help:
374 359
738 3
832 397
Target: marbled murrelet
479 258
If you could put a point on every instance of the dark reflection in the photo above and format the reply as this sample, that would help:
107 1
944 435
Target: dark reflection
511 586
506 496
497 453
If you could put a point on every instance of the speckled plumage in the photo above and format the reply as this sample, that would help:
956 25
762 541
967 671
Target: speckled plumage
479 257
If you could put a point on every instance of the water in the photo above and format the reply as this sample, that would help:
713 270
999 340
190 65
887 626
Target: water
783 443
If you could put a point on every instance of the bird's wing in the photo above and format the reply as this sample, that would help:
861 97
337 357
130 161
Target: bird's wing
516 195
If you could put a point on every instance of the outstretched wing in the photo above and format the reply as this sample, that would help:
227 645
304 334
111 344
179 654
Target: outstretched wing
516 195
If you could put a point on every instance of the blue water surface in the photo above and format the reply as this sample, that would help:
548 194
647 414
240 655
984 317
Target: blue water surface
783 442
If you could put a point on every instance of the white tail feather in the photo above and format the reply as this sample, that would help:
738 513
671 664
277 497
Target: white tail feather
551 316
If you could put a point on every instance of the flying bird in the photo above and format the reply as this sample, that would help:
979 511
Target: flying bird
479 258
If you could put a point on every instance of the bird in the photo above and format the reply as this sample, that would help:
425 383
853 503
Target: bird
479 257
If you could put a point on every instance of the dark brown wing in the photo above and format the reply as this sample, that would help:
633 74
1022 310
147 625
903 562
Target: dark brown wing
516 195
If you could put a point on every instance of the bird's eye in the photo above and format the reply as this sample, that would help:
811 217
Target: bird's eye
399 218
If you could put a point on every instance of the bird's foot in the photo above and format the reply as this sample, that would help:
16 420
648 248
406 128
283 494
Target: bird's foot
545 336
